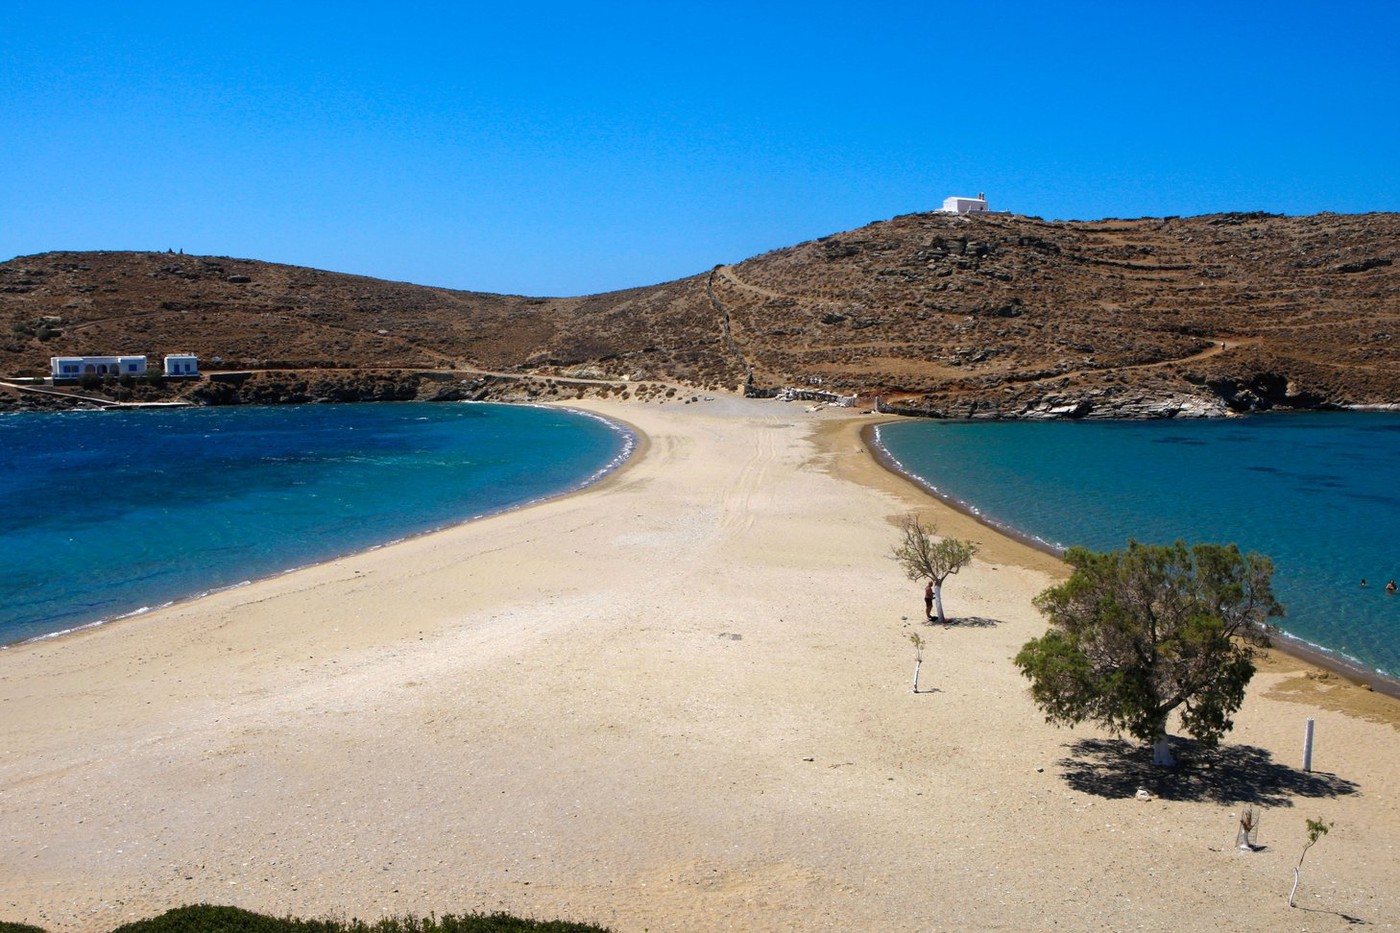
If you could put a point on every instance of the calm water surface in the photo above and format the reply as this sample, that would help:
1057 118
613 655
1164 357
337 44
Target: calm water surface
1319 493
107 513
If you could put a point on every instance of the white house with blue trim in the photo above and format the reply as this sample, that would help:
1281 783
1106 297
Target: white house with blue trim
76 367
181 364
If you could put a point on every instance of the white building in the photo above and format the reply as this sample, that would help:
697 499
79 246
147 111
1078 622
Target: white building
956 205
181 364
76 367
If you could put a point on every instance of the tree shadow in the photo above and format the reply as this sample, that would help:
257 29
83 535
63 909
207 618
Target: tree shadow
1354 921
1117 768
972 621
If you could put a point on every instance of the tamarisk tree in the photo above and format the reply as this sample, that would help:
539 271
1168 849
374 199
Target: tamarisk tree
1140 633
924 556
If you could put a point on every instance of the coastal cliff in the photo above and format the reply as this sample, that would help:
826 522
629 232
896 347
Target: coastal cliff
990 316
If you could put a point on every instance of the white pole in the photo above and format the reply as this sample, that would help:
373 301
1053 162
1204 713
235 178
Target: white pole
1307 747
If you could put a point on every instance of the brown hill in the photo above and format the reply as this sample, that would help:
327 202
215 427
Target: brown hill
985 315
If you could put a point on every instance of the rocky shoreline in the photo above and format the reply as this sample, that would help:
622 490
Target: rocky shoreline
1127 403
1032 403
332 387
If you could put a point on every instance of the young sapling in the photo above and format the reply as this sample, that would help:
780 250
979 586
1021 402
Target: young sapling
1316 830
918 641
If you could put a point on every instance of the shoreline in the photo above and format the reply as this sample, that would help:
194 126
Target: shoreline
1280 641
677 699
870 435
634 448
631 442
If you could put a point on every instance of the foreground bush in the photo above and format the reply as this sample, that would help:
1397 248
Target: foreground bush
206 918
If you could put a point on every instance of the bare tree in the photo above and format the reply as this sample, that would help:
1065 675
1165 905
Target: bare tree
924 556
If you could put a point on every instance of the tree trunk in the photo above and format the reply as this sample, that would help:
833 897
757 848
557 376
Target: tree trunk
938 602
1162 748
1298 873
917 664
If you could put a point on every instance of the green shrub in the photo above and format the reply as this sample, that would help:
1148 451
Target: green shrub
19 928
209 918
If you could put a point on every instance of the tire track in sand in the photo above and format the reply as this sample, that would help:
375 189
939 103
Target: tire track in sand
736 514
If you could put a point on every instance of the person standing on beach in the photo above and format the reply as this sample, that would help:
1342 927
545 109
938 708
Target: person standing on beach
928 601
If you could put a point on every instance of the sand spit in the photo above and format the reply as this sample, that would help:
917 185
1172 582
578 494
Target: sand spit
679 700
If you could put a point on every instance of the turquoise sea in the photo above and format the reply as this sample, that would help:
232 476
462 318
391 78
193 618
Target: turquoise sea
1318 492
104 514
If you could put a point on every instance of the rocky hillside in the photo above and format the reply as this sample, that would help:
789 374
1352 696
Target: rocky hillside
1006 314
991 315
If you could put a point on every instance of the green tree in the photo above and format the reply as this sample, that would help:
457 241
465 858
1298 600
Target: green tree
924 556
1140 633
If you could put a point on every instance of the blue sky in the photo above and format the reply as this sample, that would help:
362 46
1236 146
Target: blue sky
560 149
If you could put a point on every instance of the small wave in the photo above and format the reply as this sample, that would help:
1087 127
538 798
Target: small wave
85 626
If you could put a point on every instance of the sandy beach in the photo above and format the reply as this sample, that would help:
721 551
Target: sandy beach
677 700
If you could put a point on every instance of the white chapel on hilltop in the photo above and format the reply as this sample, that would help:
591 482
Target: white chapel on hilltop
957 205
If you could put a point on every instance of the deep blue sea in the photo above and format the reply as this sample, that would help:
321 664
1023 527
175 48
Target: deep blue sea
103 514
1318 492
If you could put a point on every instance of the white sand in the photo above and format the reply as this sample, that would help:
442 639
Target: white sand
679 700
